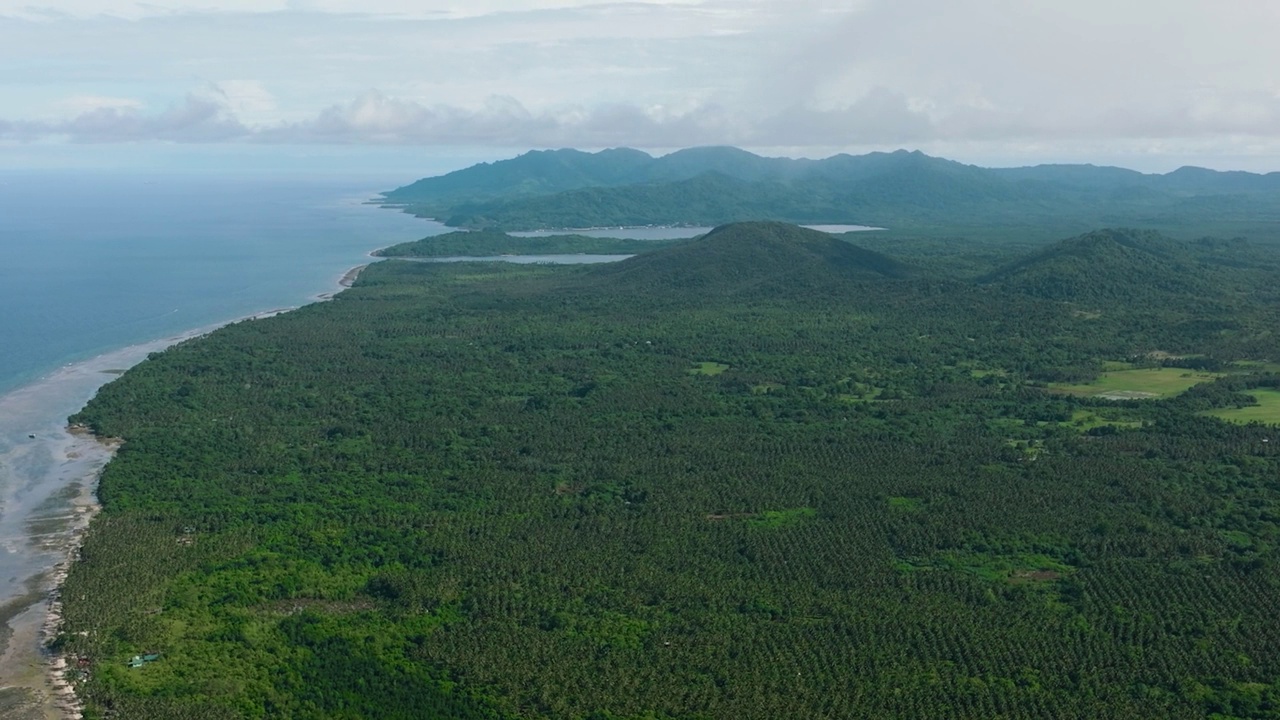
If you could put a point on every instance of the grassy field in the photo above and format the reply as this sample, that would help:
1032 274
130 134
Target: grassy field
1266 411
1138 384
1256 366
708 368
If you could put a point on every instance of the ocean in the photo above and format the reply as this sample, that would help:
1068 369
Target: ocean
90 263
98 270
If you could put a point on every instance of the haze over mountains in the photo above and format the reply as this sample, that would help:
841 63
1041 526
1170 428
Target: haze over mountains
900 190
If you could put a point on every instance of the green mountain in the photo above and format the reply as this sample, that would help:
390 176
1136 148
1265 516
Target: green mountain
538 172
770 257
711 198
901 190
1145 267
1116 265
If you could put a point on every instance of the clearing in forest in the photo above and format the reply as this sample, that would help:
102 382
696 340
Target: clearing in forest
1266 411
708 368
1138 384
1086 420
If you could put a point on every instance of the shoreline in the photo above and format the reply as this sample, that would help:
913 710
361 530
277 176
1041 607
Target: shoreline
349 278
64 696
345 281
33 680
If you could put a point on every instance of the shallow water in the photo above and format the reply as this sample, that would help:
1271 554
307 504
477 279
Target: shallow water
95 274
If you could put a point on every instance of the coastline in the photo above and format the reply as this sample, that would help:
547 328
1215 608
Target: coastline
34 681
349 278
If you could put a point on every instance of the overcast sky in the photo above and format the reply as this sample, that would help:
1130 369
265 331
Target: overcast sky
1150 84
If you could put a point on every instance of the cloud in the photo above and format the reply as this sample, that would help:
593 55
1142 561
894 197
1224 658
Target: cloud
828 74
193 120
399 9
499 121
879 117
244 98
80 104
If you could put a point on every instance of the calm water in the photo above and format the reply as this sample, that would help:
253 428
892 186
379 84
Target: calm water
89 264
668 233
574 259
97 271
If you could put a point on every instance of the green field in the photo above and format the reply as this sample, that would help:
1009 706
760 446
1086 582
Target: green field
708 368
1266 411
1256 366
1140 384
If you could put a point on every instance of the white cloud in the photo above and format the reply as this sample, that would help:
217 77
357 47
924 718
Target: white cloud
1024 76
880 117
247 99
395 9
80 104
193 120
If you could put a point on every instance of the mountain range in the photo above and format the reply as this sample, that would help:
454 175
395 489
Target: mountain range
899 190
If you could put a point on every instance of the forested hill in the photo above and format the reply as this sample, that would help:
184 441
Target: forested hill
1107 264
1141 266
901 190
750 257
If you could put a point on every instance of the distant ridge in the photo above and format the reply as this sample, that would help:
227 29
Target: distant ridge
747 256
900 190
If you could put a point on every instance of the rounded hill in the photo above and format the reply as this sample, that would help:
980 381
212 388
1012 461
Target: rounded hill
752 255
1115 264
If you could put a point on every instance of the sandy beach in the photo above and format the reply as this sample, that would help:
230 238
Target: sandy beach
349 278
346 280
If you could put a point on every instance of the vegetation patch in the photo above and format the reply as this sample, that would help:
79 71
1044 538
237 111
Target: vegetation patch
1266 411
997 567
782 518
708 368
980 373
1137 384
1255 366
906 504
1092 419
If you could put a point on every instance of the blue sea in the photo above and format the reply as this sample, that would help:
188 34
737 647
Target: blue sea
96 271
90 263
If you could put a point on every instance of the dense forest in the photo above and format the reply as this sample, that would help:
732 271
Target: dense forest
766 473
903 191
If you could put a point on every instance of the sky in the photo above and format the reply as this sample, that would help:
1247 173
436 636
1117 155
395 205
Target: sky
428 85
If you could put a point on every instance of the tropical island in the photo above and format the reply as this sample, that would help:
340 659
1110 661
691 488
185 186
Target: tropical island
763 473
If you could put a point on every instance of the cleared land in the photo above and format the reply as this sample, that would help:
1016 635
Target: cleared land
1266 411
1138 384
708 368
